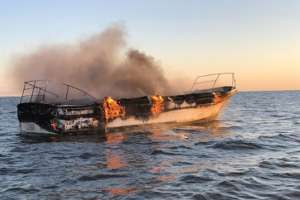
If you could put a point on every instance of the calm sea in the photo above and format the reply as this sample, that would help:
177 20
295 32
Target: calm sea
251 152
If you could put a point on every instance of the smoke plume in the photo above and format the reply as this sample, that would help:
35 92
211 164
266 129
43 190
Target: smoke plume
101 64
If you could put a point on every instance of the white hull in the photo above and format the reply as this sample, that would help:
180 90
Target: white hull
33 129
183 115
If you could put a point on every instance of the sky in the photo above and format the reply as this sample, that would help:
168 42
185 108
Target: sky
259 40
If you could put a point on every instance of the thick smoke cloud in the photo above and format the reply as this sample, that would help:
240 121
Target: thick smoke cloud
101 65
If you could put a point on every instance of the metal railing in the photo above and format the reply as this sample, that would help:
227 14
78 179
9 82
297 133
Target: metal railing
212 79
38 91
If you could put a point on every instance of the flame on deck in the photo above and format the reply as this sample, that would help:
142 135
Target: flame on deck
112 109
157 104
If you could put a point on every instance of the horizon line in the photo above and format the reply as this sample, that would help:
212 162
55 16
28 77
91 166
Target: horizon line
242 91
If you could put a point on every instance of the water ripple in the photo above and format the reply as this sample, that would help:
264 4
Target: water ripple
195 179
101 176
236 145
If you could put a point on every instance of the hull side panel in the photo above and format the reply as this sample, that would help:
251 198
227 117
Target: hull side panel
174 116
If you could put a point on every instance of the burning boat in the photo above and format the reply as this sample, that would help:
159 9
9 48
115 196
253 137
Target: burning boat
46 110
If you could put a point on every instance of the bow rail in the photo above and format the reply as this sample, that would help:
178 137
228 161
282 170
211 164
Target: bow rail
213 81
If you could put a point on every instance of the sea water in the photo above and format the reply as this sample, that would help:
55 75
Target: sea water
252 151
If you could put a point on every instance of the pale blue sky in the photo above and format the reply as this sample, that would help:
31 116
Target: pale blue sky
194 33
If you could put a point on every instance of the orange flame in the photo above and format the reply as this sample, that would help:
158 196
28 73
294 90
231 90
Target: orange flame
112 109
157 104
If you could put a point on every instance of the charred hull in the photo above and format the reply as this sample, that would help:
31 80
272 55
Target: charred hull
59 119
38 116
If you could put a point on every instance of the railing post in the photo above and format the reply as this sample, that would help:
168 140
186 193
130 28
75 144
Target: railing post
32 90
194 83
215 82
45 89
233 81
67 92
23 92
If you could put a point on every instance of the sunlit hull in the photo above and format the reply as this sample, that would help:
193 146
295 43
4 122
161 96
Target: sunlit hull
190 114
39 117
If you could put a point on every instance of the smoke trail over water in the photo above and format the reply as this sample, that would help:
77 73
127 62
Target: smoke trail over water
100 64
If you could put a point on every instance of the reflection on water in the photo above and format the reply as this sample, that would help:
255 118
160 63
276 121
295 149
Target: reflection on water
114 191
157 138
115 138
114 160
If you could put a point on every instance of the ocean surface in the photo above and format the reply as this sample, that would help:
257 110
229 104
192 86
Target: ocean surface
252 151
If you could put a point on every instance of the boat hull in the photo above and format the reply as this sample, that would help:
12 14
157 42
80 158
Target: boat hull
183 115
203 113
50 120
46 108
